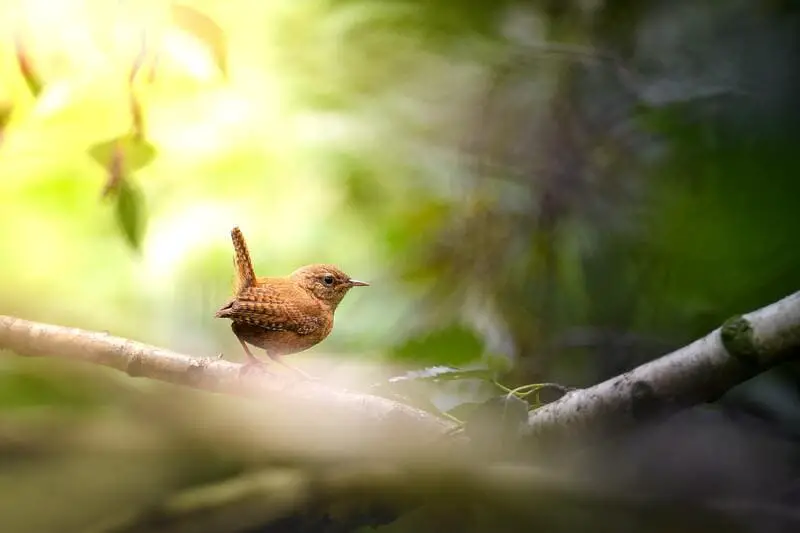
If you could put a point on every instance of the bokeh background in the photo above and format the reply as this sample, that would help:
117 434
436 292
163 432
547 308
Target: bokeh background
551 191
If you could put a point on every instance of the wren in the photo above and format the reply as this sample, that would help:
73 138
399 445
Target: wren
282 315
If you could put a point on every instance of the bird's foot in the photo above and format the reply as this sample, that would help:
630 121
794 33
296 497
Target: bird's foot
253 365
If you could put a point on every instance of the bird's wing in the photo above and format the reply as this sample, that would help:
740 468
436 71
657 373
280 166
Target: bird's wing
272 309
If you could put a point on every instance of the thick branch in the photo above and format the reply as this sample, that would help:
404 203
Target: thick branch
343 422
700 372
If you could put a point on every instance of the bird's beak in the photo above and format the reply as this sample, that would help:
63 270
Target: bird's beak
356 283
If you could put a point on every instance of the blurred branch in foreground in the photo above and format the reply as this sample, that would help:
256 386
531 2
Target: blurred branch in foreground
742 348
372 459
291 499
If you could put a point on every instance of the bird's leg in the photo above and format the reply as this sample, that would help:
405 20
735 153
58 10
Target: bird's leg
252 362
290 367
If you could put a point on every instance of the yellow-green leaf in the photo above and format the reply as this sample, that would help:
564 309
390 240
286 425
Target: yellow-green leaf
205 30
135 153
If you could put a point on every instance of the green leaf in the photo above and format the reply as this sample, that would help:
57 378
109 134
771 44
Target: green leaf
205 30
130 213
453 345
136 153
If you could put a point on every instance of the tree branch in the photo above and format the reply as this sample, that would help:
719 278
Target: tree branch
344 422
367 427
701 372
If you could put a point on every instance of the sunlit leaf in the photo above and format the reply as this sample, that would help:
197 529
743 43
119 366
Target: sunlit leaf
205 30
130 213
453 345
136 153
443 373
32 79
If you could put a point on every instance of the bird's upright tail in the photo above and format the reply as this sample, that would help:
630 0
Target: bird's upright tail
245 276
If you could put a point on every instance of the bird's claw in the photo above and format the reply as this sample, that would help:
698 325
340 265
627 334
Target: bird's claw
254 365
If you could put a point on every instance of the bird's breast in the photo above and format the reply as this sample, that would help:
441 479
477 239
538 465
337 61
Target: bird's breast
284 342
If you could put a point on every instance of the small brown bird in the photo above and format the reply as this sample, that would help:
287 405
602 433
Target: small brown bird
283 315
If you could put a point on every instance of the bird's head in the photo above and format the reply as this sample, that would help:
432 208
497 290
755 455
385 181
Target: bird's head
325 282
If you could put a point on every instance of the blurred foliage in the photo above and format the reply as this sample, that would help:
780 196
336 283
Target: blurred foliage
453 345
538 191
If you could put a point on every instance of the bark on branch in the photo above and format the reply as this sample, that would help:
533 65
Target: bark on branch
741 348
345 423
362 425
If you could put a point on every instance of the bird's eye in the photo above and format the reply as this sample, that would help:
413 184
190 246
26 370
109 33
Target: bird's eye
327 279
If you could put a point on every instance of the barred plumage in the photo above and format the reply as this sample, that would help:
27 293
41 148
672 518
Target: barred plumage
283 315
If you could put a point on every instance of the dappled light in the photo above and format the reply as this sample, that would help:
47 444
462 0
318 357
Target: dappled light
577 221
